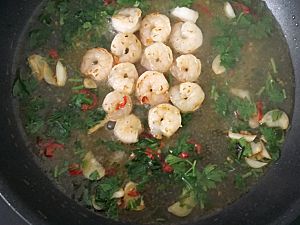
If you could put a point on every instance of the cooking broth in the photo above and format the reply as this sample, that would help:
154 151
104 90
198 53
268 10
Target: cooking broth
262 67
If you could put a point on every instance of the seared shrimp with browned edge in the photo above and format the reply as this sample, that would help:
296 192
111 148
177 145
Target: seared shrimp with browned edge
155 27
97 63
122 77
117 105
152 88
127 20
187 96
164 120
126 47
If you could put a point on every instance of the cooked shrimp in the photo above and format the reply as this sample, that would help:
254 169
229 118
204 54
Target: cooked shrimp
117 105
152 88
127 20
155 27
185 14
164 120
128 128
158 57
97 63
186 68
122 77
186 37
127 47
188 96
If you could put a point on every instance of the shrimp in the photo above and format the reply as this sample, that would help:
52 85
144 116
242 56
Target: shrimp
188 96
155 27
122 77
97 63
164 120
127 47
185 14
127 20
117 105
128 128
158 57
152 88
186 37
186 68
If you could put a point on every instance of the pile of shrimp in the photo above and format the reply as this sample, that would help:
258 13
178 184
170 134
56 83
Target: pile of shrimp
153 42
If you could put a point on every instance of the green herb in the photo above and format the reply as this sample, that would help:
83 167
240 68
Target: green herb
79 87
276 114
186 118
273 90
78 149
142 4
34 122
274 138
94 117
80 99
184 3
103 196
60 170
198 182
226 105
61 122
245 146
39 37
75 80
182 145
94 175
24 87
144 143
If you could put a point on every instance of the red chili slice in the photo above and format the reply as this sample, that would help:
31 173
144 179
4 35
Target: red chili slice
121 105
108 2
74 169
184 155
245 9
110 172
197 146
53 53
167 168
259 108
145 100
204 9
51 147
89 94
133 193
149 153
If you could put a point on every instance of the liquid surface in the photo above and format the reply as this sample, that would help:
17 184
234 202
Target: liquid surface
259 59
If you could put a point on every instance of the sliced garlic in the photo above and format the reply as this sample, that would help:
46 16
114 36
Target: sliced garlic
217 67
241 93
183 207
185 14
229 12
39 67
281 122
61 74
91 165
89 83
237 136
118 194
255 163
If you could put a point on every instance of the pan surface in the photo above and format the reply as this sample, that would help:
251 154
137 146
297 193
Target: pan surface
274 200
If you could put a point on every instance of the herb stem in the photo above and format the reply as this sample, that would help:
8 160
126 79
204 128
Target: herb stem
78 87
75 80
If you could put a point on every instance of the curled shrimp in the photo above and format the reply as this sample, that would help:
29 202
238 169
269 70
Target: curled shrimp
127 47
128 128
164 120
158 57
122 77
117 105
187 96
186 37
186 68
127 20
97 63
152 88
155 27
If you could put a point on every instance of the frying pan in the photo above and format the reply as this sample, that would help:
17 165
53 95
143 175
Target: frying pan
274 200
